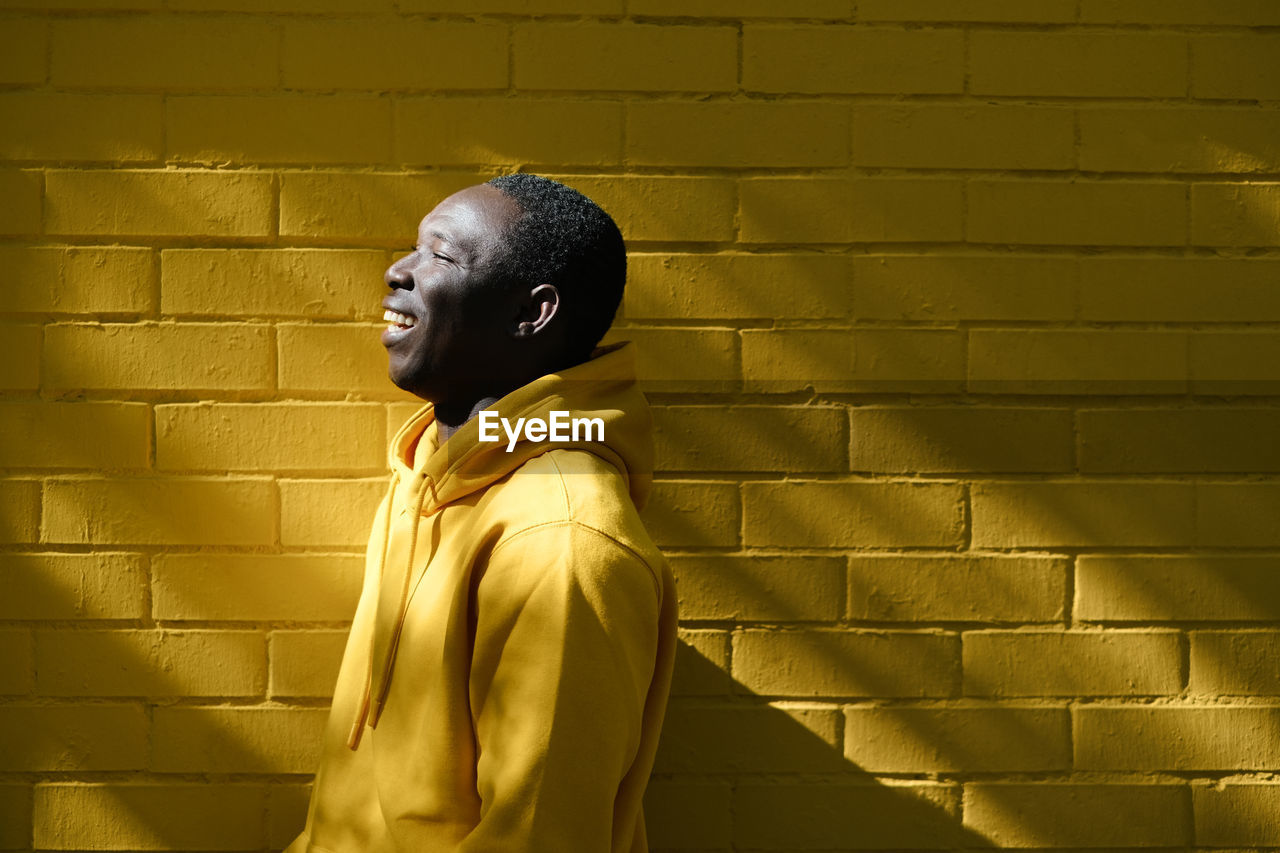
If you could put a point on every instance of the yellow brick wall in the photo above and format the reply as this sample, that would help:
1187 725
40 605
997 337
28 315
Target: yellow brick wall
961 319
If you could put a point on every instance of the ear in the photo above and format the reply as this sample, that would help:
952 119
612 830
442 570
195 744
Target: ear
536 311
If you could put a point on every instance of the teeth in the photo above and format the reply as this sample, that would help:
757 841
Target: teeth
400 319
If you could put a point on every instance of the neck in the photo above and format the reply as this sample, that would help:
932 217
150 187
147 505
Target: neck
451 416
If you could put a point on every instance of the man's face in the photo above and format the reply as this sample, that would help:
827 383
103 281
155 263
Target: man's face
448 322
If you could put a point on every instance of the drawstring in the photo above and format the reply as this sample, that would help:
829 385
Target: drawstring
385 679
362 713
371 709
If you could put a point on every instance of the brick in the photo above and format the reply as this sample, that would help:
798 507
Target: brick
829 815
667 209
1235 362
752 133
328 512
1075 814
1078 64
958 739
754 739
847 663
305 6
23 47
21 190
1239 663
622 57
305 663
867 210
749 438
1246 12
770 589
272 282
126 128
1083 213
269 437
17 656
21 519
964 287
687 814
190 357
767 286
257 587
513 7
741 8
19 357
287 807
178 511
1002 11
82 5
158 203
1237 515
853 514
1176 738
684 361
36 738
1179 440
917 438
101 585
164 53
49 280
1196 290
1236 65
208 816
276 129
978 137
1235 214
702 664
237 740
150 663
1069 361
1082 514
908 588
1176 588
74 435
862 360
382 207
1241 814
686 513
15 817
374 52
340 358
1071 663
846 59
507 131
1178 140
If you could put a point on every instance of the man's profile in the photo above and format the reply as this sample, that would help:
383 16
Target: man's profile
504 682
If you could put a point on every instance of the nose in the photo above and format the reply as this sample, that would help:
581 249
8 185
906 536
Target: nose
399 275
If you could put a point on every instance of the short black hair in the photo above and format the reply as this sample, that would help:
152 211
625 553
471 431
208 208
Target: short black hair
565 239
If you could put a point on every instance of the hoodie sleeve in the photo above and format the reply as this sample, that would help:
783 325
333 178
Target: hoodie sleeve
566 634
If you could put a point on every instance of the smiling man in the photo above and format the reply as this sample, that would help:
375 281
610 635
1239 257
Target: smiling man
507 670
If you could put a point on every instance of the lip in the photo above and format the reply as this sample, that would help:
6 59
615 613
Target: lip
393 335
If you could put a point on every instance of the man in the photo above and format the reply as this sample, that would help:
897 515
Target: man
507 671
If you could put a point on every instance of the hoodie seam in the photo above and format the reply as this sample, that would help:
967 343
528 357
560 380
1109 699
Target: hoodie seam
564 487
566 522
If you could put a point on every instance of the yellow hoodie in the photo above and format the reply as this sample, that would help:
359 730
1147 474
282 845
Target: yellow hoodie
507 670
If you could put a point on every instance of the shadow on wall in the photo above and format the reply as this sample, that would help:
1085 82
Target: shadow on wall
735 772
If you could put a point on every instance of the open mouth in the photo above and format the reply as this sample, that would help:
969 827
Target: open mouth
399 321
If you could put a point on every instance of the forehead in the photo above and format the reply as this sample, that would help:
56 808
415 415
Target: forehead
471 218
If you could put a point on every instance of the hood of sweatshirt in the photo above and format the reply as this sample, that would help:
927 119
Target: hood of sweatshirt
428 476
601 388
